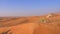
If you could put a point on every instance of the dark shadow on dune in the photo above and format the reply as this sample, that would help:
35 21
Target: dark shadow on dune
6 32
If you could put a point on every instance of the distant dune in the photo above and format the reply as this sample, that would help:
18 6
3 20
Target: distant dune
47 24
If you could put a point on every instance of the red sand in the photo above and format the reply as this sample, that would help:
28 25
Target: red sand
31 26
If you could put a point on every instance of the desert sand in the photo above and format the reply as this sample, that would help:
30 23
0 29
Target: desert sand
30 25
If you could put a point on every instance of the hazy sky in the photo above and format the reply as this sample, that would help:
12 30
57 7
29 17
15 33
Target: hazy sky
28 7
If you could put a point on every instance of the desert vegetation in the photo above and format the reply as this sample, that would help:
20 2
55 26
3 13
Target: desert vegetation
43 20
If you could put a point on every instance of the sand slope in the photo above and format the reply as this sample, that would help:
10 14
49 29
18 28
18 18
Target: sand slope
30 25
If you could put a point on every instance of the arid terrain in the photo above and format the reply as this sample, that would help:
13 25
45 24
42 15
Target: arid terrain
46 24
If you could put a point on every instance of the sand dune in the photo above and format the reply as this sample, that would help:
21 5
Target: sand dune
30 25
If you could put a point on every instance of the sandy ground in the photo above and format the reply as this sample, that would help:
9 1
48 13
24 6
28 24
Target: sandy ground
30 25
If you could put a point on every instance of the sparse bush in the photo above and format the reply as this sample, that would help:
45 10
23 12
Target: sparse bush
43 20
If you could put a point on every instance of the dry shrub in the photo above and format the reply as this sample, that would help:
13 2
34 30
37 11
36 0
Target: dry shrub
42 20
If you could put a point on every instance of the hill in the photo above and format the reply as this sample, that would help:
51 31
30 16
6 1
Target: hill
31 25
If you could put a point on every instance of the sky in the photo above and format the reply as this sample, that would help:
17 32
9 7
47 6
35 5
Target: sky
28 7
